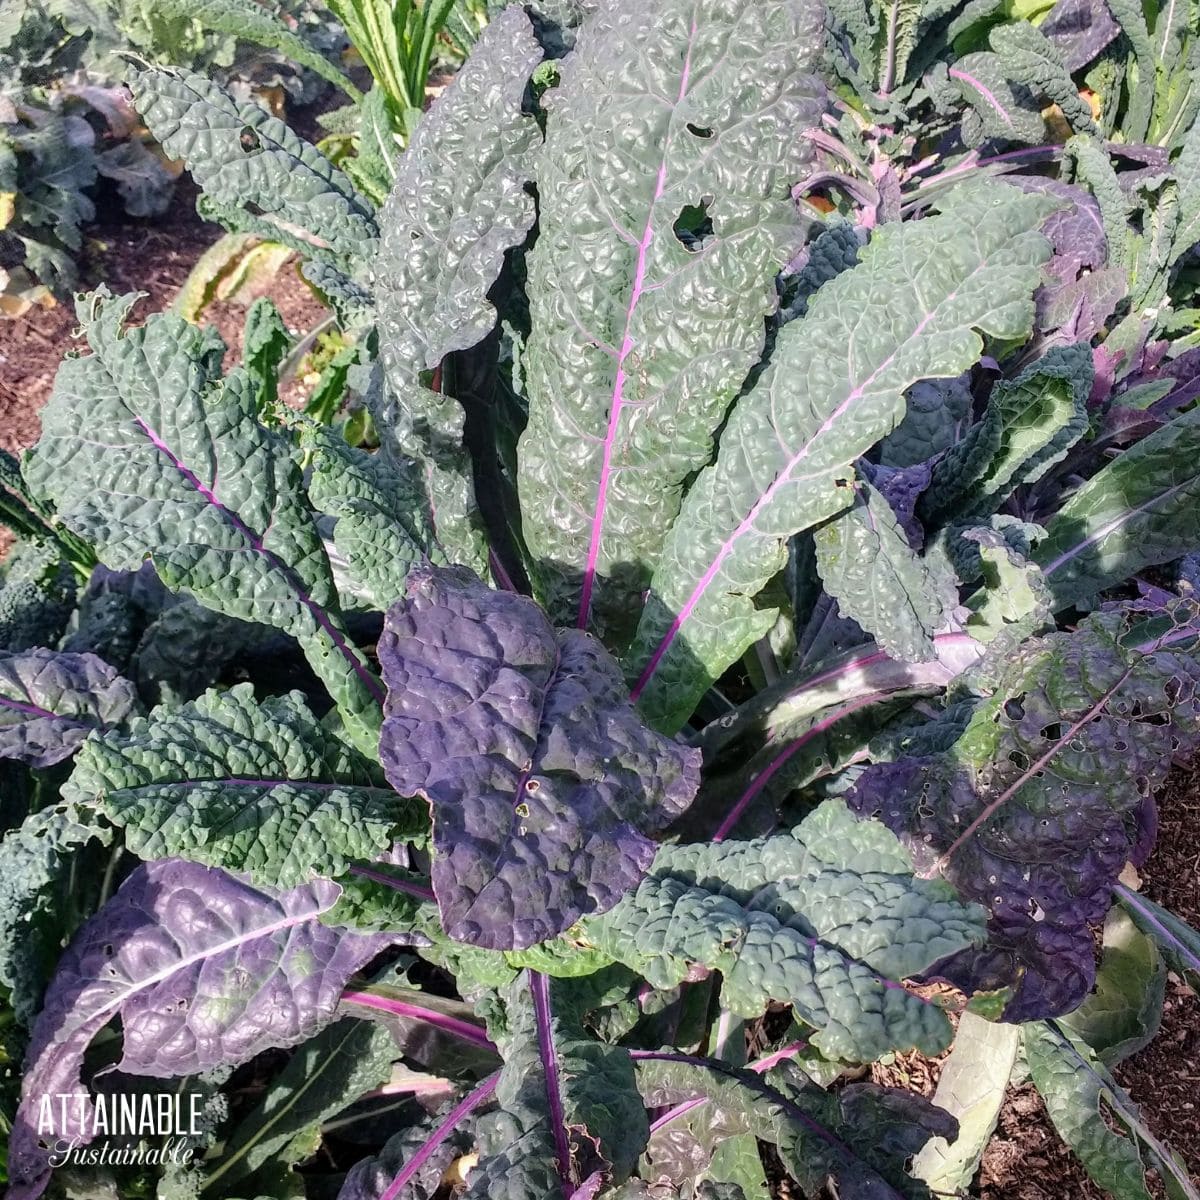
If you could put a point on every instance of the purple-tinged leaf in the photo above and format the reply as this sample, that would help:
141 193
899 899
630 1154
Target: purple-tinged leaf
202 969
1079 30
411 1167
50 703
543 782
1035 810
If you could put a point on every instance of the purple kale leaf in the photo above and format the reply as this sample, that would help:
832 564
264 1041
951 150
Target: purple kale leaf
1042 800
542 781
1079 30
50 702
202 969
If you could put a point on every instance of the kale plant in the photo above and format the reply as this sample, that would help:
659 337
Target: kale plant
740 646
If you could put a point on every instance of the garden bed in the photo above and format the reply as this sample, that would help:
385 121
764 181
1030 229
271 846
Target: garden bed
1026 1160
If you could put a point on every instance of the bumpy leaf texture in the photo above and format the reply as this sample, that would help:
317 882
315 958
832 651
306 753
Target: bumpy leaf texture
664 215
50 703
1079 30
827 918
241 155
1141 509
569 1110
35 870
834 387
860 1137
146 450
461 200
868 566
203 970
1034 810
261 789
542 780
1080 1093
384 520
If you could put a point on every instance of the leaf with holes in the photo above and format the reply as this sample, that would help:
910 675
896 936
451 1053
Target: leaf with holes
1033 811
910 310
542 780
664 215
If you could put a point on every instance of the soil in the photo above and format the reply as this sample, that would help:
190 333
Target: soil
1026 1160
153 257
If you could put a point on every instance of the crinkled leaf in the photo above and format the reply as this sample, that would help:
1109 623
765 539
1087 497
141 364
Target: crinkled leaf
384 522
542 780
822 918
147 451
242 156
868 566
664 215
860 1136
260 789
35 869
1079 1092
834 250
1079 30
253 23
835 386
202 969
559 1094
421 1153
459 203
1029 425
51 702
1033 59
998 105
323 1076
1139 510
1033 810
937 414
265 344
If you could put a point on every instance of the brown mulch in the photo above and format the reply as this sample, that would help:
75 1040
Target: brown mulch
154 257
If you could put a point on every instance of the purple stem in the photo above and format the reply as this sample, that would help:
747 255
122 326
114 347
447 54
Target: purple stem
500 575
764 776
1131 900
539 987
616 401
322 618
759 1065
33 711
399 885
984 91
793 1110
402 1008
440 1134
781 481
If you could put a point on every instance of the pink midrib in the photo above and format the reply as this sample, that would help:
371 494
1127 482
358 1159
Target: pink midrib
617 400
318 613
985 92
539 987
765 500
